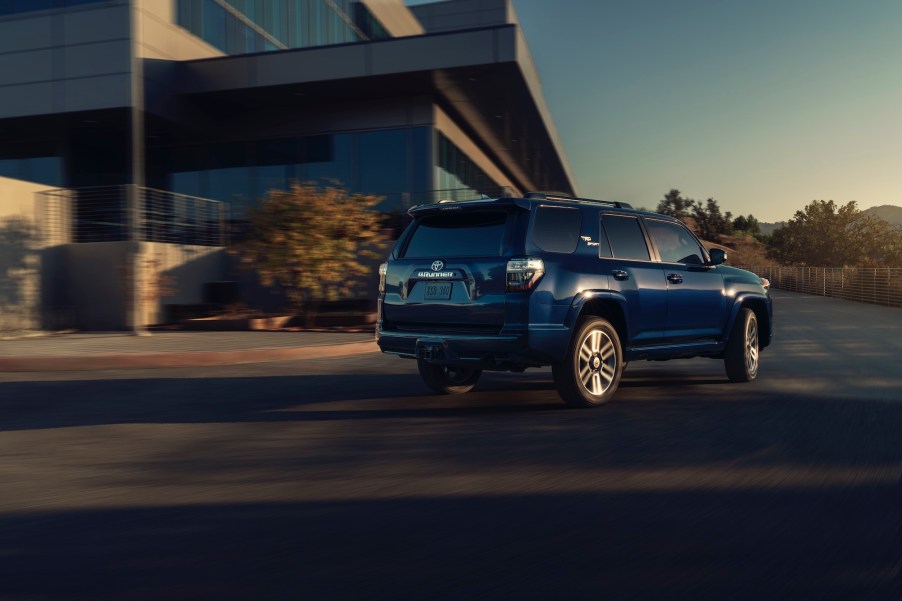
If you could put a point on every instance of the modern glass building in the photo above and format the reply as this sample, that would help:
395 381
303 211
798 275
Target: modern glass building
227 99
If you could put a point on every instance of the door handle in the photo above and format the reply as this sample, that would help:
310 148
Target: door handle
675 278
619 274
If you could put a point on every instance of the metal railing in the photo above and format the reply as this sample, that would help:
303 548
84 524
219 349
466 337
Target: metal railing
874 285
105 214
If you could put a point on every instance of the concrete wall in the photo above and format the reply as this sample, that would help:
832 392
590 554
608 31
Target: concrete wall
160 43
20 257
95 293
71 59
158 35
175 274
463 14
406 111
395 16
96 288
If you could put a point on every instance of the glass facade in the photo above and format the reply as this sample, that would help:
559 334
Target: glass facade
457 177
10 7
245 26
388 163
41 170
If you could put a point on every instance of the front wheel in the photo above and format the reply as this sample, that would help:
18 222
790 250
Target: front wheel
741 355
448 379
590 373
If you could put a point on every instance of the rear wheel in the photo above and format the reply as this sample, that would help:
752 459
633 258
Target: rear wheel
448 379
741 355
590 374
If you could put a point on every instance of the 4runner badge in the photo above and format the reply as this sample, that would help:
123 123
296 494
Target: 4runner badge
437 273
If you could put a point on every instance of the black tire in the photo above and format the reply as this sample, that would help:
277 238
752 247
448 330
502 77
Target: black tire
741 355
447 379
591 372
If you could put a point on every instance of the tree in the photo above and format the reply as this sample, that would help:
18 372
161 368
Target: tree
827 234
705 219
675 205
749 225
710 223
309 241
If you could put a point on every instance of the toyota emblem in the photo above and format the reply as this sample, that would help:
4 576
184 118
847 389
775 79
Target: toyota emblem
437 266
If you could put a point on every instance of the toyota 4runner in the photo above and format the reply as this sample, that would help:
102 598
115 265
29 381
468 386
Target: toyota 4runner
584 286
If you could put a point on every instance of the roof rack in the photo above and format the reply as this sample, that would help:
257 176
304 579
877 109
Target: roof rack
555 196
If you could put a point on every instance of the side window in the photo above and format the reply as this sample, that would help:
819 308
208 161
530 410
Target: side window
674 242
556 229
626 237
604 247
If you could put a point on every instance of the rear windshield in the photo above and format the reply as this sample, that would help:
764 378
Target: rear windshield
459 234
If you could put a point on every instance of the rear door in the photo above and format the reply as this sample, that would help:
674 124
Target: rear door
449 275
632 272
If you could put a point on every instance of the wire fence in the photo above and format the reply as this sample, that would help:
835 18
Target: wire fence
104 214
874 285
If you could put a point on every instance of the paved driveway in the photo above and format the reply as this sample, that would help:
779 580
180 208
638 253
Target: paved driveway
344 479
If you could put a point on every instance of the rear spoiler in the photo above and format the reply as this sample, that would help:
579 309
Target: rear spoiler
457 205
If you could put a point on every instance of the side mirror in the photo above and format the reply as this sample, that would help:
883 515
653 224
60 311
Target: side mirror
718 256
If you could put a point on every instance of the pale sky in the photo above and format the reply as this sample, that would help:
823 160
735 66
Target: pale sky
765 105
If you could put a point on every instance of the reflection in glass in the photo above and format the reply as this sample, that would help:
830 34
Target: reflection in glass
244 26
41 170
472 234
392 163
457 175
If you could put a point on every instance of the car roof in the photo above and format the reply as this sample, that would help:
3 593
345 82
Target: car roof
528 202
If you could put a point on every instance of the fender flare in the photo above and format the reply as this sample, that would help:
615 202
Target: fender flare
580 300
738 302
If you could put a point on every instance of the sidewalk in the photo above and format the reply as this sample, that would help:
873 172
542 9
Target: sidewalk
112 350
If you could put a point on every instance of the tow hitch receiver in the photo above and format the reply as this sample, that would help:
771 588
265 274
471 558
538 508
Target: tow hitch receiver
430 350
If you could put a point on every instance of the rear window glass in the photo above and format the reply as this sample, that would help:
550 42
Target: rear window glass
556 229
626 237
459 234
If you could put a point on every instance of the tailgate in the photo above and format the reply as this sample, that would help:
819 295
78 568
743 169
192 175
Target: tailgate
450 274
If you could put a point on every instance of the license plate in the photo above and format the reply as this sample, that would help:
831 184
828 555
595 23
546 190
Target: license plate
438 291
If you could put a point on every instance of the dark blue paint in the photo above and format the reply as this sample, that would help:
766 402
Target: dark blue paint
664 310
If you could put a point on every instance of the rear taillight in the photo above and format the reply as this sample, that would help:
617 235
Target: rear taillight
523 273
383 269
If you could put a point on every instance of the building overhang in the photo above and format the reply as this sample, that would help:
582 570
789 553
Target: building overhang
483 78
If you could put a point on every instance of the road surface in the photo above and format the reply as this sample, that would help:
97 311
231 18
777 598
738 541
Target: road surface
345 479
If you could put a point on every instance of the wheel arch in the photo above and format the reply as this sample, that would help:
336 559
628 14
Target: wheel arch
600 304
759 306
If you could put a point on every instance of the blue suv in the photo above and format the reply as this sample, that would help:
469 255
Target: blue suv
584 286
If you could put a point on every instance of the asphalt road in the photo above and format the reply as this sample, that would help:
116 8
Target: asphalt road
344 479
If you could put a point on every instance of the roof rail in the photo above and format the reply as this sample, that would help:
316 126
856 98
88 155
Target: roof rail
555 196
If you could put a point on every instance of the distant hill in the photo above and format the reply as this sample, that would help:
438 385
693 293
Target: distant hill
890 213
768 228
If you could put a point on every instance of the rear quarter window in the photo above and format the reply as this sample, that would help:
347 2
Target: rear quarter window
556 229
459 234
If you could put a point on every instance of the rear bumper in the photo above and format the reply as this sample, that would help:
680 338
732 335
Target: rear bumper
506 350
453 349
